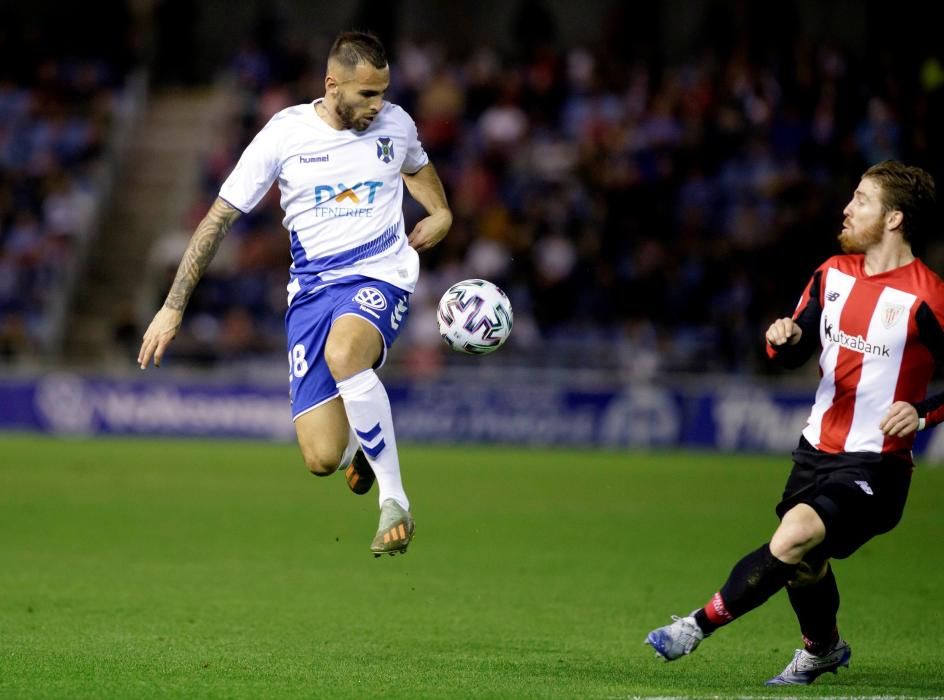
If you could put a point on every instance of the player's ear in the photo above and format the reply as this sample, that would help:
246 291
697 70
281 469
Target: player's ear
331 85
894 219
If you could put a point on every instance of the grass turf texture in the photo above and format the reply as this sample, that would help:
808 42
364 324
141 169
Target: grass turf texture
222 569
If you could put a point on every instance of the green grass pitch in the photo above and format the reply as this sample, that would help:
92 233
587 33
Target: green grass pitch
137 569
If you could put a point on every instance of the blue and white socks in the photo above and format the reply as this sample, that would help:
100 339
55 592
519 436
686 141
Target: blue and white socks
368 412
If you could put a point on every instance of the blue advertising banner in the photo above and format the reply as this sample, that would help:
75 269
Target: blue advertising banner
726 416
71 404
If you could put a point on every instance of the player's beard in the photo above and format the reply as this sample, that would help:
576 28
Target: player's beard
859 243
346 114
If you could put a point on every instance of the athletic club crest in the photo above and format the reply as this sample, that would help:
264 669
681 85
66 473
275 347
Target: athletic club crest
385 149
891 313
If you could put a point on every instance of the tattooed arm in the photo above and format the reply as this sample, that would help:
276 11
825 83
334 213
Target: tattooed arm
203 245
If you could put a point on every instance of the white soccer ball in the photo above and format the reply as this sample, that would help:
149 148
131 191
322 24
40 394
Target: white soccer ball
474 317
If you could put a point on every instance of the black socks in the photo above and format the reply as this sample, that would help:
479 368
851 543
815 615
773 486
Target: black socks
816 606
752 581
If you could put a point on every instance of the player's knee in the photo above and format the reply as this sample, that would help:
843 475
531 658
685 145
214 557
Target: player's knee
799 537
800 530
320 463
342 359
807 573
320 468
352 347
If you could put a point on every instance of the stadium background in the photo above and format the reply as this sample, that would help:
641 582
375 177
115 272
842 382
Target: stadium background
651 187
651 183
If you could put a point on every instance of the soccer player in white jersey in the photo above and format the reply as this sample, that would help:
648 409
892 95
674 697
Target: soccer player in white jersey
340 163
877 313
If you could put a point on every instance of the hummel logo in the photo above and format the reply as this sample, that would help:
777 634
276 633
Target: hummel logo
369 441
864 485
397 315
832 296
313 159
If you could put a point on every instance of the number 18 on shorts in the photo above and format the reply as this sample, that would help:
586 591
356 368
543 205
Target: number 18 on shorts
309 320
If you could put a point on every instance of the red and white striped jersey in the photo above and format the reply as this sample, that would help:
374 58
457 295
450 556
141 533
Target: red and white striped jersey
881 337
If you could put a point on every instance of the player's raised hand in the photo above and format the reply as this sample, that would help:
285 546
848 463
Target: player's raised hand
429 231
900 421
162 330
783 331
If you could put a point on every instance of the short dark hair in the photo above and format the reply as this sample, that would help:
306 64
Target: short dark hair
910 190
353 48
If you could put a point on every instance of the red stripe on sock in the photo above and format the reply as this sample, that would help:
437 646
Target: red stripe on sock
717 612
821 647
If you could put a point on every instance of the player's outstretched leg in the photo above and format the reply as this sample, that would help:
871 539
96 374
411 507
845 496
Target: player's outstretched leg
805 667
368 412
676 640
395 531
359 476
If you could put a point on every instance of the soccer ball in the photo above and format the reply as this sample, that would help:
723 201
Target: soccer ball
474 317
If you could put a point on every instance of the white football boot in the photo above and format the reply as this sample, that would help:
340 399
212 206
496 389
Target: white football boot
806 668
676 640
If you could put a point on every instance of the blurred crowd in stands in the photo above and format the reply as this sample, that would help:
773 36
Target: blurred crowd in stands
644 213
649 217
58 98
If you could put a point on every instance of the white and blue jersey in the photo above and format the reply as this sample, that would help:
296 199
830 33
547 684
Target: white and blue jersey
342 195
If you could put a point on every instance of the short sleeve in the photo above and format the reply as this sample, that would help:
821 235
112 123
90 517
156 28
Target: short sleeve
256 170
416 157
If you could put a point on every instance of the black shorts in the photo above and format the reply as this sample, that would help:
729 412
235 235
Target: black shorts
856 499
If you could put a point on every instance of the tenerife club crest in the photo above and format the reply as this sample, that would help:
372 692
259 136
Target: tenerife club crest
385 149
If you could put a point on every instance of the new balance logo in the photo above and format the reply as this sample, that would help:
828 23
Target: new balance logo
832 296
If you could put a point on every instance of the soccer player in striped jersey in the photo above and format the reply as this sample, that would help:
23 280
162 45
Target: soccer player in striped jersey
876 312
341 163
